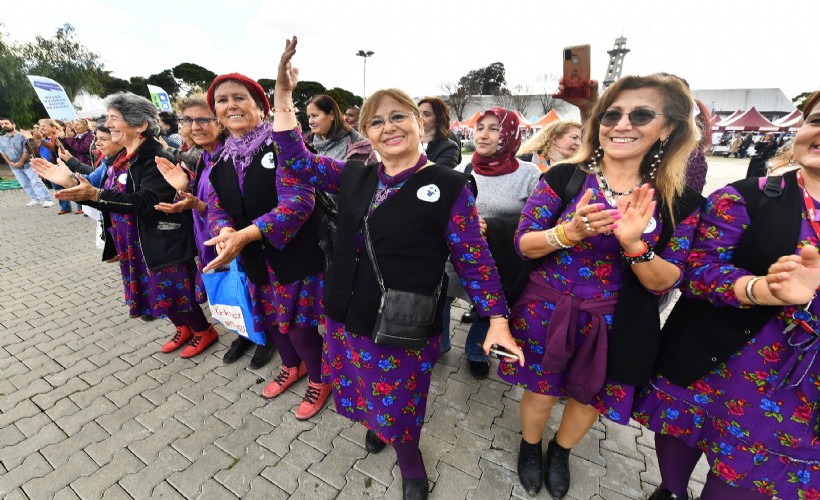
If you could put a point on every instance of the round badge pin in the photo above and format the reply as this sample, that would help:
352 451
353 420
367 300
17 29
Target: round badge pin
653 223
122 178
268 160
430 193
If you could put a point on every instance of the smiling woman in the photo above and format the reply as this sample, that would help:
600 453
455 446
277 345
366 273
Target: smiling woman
330 135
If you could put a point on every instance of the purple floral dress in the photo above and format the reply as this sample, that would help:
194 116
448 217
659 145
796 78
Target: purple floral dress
202 190
755 416
590 270
385 388
154 293
278 306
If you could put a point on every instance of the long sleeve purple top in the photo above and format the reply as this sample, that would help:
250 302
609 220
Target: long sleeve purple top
468 249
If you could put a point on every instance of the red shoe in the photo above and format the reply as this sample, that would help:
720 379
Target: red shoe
179 338
199 342
286 378
63 212
314 400
80 211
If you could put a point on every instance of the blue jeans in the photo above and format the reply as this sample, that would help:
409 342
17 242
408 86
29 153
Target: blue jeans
475 337
31 183
64 205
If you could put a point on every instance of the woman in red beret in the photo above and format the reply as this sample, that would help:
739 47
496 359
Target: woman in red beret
259 214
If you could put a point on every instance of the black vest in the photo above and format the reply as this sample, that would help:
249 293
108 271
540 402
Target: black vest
698 336
301 257
408 237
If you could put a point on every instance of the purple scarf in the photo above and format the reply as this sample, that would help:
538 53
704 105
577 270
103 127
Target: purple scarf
241 150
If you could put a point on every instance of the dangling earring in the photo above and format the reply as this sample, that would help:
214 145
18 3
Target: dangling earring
791 160
593 162
658 158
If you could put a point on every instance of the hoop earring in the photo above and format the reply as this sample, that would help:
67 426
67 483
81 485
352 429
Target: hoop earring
658 158
594 165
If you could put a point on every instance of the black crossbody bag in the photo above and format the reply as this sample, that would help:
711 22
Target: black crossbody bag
404 318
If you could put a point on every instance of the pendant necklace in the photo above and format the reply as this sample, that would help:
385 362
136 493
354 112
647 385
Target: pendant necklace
610 194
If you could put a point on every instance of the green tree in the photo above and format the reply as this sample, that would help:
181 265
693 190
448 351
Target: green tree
112 84
304 91
139 85
193 76
799 99
339 97
349 97
267 85
166 80
64 59
16 94
490 80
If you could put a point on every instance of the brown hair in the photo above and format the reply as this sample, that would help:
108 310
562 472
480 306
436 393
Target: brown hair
677 110
199 100
329 106
372 102
541 143
442 115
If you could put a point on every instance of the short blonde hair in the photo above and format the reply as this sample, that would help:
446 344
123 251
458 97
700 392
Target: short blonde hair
372 102
541 143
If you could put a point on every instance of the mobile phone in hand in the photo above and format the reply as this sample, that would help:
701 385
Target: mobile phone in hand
499 351
576 71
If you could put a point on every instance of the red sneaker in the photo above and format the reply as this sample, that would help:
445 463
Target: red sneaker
79 211
199 342
63 212
286 378
314 400
182 336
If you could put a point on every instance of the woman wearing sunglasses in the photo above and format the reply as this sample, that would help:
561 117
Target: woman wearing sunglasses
740 358
417 214
611 233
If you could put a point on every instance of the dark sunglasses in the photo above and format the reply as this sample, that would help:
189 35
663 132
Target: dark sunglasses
637 117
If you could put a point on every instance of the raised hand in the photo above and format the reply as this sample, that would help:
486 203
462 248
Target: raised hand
794 279
597 220
188 202
636 211
174 175
288 76
64 154
59 174
82 192
585 104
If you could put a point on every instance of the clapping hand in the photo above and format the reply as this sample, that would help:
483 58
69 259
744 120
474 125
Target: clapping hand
174 175
636 212
229 244
188 202
794 279
59 174
84 191
590 219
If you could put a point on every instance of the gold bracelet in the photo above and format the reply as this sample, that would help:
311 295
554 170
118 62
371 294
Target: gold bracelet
562 237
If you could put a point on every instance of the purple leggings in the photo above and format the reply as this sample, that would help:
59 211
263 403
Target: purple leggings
195 319
301 344
676 461
409 458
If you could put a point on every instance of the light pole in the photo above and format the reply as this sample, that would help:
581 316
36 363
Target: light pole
364 54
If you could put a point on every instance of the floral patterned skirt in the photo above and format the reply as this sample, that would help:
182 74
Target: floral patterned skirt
528 325
385 388
756 432
278 308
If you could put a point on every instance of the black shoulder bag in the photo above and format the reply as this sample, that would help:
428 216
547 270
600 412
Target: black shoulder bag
404 318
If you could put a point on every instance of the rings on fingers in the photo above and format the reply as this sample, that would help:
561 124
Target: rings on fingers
588 228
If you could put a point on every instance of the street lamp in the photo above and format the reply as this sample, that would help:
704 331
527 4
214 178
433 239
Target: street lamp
365 54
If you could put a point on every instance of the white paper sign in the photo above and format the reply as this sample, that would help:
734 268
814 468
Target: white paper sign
230 316
53 96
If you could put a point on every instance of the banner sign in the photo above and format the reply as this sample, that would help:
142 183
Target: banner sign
53 96
160 98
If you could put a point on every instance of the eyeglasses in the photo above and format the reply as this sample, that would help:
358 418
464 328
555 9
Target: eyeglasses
202 121
396 118
637 117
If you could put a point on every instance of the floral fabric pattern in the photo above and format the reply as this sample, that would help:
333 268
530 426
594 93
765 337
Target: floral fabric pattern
755 416
590 270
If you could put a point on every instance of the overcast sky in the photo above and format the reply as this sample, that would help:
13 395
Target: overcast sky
418 45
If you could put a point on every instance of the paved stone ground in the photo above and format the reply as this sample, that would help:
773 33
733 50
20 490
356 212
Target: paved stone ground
89 407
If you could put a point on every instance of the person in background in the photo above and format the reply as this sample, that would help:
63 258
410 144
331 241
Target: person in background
170 130
78 139
416 214
696 167
588 318
552 145
765 148
331 136
13 148
48 143
438 146
352 117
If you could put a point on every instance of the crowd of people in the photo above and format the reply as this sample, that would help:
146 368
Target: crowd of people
566 246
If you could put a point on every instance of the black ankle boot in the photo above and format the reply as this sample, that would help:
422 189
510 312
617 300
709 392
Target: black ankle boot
414 489
557 476
663 494
372 442
530 469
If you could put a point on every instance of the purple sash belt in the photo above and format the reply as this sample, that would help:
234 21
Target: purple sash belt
585 368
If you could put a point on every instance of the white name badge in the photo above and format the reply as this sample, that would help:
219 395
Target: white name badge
122 178
651 226
268 161
430 193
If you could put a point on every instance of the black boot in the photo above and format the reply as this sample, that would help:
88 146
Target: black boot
372 442
262 355
663 494
557 477
530 469
415 489
469 316
238 347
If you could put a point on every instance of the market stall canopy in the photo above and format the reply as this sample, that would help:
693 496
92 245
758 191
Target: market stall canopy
470 122
547 119
523 120
749 121
455 125
791 122
723 121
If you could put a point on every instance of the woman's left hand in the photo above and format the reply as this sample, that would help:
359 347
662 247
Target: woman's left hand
229 245
635 215
174 175
83 192
188 202
499 334
287 76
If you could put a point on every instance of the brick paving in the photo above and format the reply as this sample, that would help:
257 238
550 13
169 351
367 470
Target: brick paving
89 407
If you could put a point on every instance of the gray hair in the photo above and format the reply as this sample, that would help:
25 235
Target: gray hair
135 110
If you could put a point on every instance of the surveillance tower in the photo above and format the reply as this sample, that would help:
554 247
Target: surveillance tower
616 61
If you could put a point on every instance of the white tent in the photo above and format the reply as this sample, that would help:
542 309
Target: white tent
89 106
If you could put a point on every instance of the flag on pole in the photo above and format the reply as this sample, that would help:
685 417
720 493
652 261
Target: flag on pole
160 98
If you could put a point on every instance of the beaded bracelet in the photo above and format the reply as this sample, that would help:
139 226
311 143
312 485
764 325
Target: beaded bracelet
282 110
552 239
647 254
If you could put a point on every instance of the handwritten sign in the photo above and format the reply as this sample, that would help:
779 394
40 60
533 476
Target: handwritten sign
231 317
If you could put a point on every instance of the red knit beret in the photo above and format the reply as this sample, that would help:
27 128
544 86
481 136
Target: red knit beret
250 84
